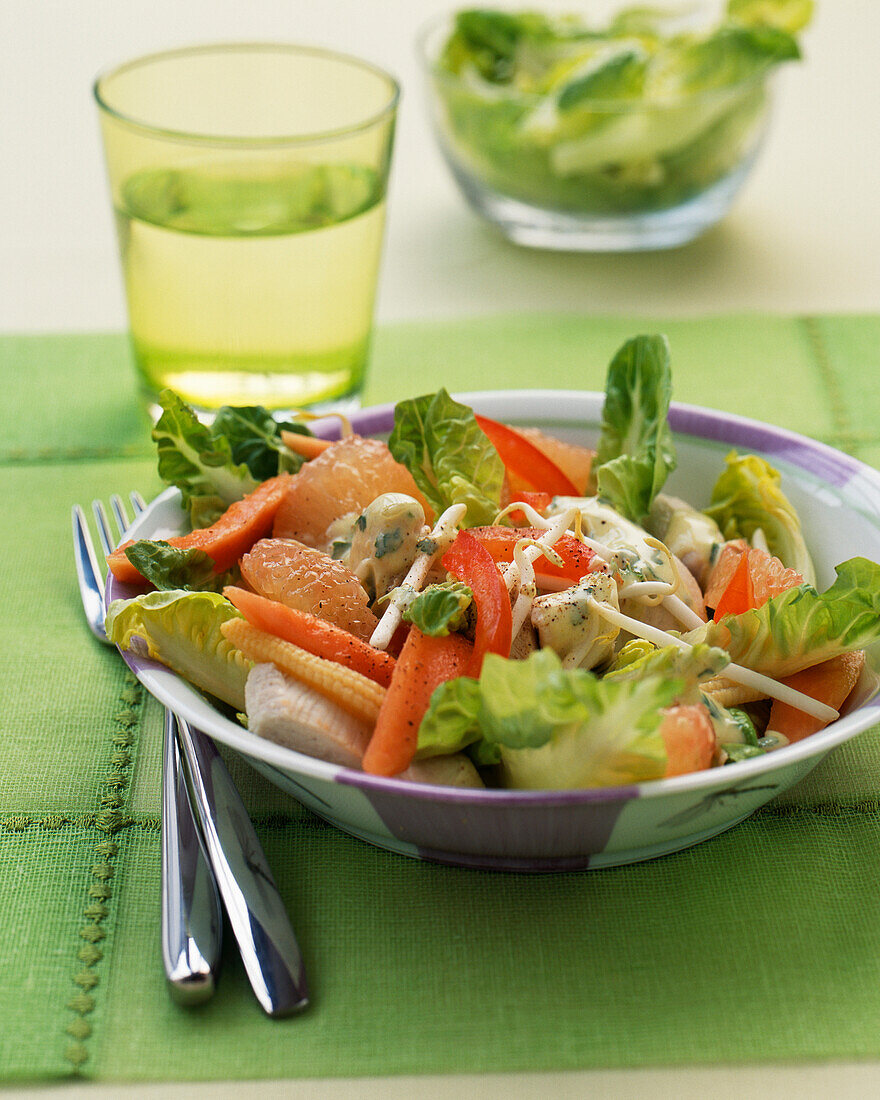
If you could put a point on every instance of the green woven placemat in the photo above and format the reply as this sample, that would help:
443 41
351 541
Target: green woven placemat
761 944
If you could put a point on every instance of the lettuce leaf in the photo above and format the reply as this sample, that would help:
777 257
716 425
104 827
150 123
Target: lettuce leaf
452 720
200 465
169 567
488 40
439 608
636 453
182 630
747 496
552 728
732 54
614 74
786 15
449 456
700 662
217 465
254 437
800 627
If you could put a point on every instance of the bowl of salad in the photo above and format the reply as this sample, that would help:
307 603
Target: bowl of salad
525 630
632 131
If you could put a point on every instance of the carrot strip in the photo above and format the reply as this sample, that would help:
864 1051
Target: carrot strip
308 446
234 533
830 682
317 636
424 663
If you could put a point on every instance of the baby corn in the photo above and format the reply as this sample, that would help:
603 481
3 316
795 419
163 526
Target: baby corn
728 694
350 690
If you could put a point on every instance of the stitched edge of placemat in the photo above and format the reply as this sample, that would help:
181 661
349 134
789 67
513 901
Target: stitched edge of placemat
109 819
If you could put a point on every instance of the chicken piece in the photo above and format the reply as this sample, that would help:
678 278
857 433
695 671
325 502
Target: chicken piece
287 712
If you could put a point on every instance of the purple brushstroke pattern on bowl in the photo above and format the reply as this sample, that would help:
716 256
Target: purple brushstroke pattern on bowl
838 499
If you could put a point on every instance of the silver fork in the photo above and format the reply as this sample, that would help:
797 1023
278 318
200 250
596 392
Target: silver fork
192 921
259 921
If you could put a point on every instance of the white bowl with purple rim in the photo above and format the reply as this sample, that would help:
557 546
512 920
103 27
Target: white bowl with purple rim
838 500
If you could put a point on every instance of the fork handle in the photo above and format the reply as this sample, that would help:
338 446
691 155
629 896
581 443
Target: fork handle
259 921
192 920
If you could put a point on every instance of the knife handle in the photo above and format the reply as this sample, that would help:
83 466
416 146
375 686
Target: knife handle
259 921
192 920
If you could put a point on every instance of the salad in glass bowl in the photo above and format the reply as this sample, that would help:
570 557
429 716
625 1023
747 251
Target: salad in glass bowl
631 132
476 605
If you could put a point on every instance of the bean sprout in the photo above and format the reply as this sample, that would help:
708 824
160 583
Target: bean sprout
768 687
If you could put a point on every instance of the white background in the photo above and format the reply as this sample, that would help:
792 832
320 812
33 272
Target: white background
803 236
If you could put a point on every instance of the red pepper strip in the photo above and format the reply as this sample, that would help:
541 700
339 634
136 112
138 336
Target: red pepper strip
527 467
472 564
500 542
739 596
424 663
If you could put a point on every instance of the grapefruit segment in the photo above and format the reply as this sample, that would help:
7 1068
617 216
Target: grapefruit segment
299 576
762 572
689 737
575 462
343 479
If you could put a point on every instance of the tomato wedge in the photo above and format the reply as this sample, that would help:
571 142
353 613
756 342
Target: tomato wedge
235 532
528 468
500 542
472 564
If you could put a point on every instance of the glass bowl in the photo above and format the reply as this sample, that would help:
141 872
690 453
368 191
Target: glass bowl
574 169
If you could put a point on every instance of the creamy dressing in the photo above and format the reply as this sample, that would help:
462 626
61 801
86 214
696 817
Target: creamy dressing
384 542
568 624
627 541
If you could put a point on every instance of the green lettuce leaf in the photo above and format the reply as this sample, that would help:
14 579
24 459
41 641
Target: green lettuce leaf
451 722
700 662
449 456
182 630
198 463
800 627
217 465
170 567
786 15
613 74
747 496
439 608
732 54
636 453
553 728
488 40
254 437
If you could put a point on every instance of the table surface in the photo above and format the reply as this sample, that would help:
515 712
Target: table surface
803 237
